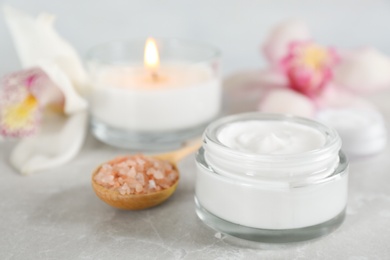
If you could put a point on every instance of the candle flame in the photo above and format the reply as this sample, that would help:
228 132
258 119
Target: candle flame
151 56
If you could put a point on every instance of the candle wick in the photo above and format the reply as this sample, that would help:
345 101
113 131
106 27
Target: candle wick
155 76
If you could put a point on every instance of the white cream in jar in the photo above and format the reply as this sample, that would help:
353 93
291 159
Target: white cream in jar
276 137
271 177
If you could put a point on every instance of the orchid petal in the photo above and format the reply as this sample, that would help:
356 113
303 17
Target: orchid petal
61 135
73 101
277 43
308 67
336 96
364 71
243 90
23 97
36 40
59 141
285 101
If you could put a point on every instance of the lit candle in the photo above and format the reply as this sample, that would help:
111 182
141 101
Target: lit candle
166 101
151 58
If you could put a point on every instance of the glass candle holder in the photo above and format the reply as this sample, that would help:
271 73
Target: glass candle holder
271 178
156 104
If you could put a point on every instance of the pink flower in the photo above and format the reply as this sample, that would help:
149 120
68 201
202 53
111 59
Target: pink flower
308 67
316 77
23 96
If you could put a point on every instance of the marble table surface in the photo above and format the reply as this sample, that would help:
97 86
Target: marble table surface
56 215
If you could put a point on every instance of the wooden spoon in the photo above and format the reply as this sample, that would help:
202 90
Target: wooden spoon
144 201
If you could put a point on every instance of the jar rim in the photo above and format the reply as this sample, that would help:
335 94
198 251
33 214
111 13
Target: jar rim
332 143
338 172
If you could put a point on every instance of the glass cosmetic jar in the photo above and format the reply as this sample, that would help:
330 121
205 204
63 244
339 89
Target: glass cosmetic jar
153 94
271 178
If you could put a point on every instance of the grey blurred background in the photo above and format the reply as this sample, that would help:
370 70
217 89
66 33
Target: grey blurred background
237 27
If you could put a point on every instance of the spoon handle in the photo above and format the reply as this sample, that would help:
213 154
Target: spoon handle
176 156
185 151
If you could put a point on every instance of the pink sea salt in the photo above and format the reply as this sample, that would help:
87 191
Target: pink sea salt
136 174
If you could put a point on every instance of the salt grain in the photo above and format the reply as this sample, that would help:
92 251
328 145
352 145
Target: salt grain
152 184
137 174
132 172
140 178
139 188
158 175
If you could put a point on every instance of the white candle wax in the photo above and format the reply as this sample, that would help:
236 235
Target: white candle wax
182 96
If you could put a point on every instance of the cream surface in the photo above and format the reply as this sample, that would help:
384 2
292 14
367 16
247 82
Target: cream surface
271 137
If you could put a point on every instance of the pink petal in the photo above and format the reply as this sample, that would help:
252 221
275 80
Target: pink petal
277 43
336 96
23 96
285 101
308 67
243 90
364 71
